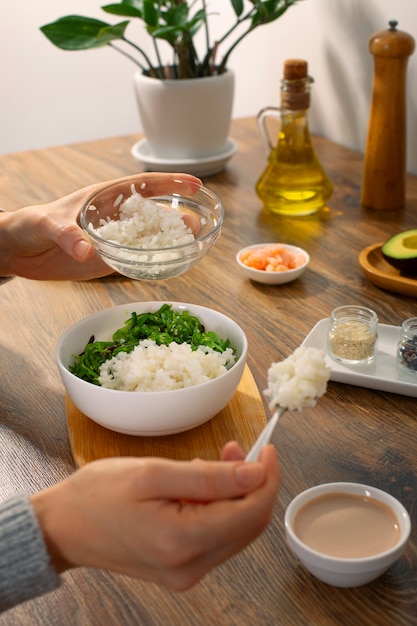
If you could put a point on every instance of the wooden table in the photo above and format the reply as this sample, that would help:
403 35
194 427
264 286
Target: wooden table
353 434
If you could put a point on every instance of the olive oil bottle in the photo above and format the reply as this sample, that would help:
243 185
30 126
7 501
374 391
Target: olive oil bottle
294 182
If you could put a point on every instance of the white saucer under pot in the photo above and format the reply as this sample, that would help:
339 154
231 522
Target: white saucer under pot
198 167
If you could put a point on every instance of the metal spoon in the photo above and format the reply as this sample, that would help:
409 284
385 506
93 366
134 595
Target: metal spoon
265 435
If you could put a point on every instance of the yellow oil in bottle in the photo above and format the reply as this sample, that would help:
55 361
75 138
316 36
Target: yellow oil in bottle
294 182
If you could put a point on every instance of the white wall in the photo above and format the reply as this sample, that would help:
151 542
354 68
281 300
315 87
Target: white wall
50 97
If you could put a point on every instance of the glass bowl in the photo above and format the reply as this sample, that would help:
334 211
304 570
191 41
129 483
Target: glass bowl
143 256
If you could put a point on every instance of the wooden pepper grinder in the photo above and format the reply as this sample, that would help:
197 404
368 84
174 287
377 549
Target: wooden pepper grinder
383 184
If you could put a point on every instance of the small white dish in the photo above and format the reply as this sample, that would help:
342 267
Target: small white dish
382 374
273 278
198 167
344 571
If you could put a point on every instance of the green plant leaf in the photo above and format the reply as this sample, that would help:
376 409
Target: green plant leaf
74 32
177 24
177 15
237 7
124 9
168 33
171 21
269 10
196 22
151 13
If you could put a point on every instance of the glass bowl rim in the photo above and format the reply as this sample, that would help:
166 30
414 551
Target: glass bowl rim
117 246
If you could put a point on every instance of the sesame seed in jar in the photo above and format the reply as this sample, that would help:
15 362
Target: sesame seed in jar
352 335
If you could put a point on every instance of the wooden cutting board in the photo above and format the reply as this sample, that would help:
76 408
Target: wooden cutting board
242 420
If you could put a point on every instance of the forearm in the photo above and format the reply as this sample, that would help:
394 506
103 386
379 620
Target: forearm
25 567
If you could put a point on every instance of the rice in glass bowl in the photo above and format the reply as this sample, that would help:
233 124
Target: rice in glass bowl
152 237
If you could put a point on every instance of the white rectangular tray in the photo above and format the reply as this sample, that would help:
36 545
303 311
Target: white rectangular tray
383 374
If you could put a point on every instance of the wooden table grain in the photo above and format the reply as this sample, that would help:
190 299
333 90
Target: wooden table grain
353 434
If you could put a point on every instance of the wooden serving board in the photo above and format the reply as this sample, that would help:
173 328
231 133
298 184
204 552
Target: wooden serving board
242 420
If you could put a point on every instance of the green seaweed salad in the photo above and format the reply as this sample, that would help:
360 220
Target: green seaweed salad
163 326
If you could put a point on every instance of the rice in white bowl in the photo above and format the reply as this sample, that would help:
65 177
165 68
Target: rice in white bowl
144 224
152 367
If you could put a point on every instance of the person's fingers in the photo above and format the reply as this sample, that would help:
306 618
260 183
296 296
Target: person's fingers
253 509
132 515
221 529
192 222
184 577
232 452
69 237
212 523
203 480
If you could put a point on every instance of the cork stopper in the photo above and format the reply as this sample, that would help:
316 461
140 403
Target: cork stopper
295 86
295 68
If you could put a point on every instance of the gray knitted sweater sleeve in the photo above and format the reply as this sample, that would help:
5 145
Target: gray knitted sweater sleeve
25 568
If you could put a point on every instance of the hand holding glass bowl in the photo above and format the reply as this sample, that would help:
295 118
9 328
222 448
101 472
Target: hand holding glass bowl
201 210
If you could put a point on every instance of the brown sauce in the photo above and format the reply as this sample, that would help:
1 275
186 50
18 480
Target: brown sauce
347 526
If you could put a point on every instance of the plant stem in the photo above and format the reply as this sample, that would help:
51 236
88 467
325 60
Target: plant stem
211 52
238 22
126 54
225 58
151 70
155 45
206 26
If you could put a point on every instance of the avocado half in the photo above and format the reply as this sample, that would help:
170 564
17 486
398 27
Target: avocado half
400 251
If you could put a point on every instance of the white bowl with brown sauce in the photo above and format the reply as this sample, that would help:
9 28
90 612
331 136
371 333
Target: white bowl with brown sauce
346 534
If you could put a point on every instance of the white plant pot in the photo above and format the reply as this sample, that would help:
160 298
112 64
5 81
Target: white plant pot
185 119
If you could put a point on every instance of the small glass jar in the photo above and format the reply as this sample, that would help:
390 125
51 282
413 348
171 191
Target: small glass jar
407 346
352 335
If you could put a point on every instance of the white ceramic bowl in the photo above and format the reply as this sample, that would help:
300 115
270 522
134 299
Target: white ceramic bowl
202 205
273 278
346 572
149 413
